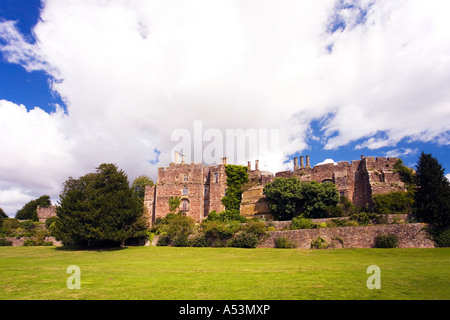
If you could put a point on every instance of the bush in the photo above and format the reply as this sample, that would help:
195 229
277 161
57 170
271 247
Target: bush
258 228
393 203
319 243
386 241
284 243
29 243
443 239
163 240
246 240
300 222
180 241
199 241
4 242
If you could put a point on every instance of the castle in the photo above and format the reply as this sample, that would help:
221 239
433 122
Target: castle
202 187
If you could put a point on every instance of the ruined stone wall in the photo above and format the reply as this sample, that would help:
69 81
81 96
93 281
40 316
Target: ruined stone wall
15 242
410 235
45 213
357 180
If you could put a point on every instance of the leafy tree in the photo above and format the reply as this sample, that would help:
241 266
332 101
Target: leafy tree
28 211
315 197
237 176
98 209
283 195
432 196
3 214
138 185
289 197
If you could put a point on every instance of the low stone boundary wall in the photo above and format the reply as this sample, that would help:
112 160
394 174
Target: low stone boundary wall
20 241
410 235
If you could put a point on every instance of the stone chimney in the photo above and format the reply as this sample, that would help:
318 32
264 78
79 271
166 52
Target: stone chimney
177 157
302 164
249 166
183 159
257 165
224 160
295 163
307 162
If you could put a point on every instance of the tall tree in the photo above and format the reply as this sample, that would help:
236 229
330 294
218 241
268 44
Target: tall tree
3 214
28 211
98 209
432 196
139 185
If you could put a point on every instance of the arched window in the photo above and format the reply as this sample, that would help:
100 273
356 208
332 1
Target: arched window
216 177
184 205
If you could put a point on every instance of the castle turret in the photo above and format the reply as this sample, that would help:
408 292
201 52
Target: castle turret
302 164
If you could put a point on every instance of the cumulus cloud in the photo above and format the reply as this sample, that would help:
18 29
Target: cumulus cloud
132 72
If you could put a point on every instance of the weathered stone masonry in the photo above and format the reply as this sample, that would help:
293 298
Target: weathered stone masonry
410 235
201 188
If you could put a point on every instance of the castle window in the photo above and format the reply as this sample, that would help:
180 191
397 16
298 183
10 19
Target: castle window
185 191
216 177
186 177
184 205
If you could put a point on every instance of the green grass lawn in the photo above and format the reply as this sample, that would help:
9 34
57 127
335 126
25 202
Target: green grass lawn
224 273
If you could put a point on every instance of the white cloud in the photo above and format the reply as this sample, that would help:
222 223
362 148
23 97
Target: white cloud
448 176
133 71
326 161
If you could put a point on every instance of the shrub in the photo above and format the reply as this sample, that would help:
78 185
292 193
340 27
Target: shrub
284 243
199 240
29 243
443 239
246 240
163 240
319 243
394 202
364 218
258 228
300 222
4 242
386 241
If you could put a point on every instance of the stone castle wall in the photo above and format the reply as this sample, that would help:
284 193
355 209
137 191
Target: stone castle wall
45 213
202 188
357 180
199 187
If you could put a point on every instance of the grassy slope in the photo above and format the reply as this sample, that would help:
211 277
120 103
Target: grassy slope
224 273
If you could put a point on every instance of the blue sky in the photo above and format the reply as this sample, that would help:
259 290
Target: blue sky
88 82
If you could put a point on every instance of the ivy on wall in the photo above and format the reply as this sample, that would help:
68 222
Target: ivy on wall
237 176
